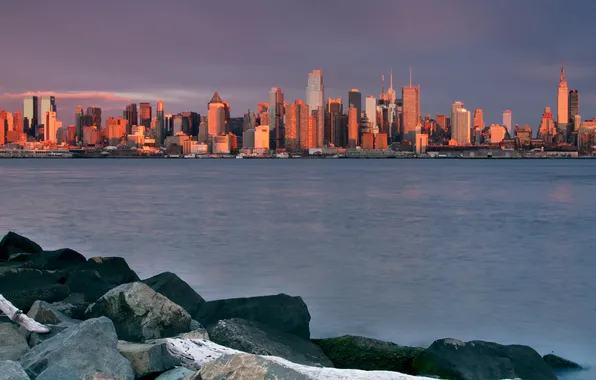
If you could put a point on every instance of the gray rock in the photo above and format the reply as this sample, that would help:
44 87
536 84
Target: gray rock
147 359
245 366
59 259
194 334
560 364
259 339
84 349
45 313
173 287
282 312
11 370
90 283
23 286
21 257
13 243
73 306
34 338
479 360
369 354
178 373
12 344
139 313
195 325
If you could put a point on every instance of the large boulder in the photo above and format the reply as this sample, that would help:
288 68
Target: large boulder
197 331
479 360
73 306
368 354
560 364
11 370
46 313
85 349
173 287
178 373
283 312
90 284
59 259
259 339
139 313
13 243
24 286
12 344
148 359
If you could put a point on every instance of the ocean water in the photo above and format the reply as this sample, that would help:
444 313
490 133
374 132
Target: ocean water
402 250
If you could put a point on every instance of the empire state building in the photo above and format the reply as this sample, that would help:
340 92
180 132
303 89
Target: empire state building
562 102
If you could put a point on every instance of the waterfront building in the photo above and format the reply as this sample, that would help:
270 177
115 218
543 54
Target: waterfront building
30 114
562 102
131 114
216 117
508 122
275 116
411 110
355 100
460 119
51 126
90 135
497 133
421 143
3 127
223 144
573 104
353 127
297 124
145 114
116 130
160 132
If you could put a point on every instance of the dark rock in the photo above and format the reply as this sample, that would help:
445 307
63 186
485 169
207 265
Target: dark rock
139 313
560 364
46 313
21 257
114 270
12 344
34 338
178 291
13 243
368 354
178 373
478 360
73 306
246 366
23 286
90 284
259 339
11 370
147 359
82 350
59 259
281 311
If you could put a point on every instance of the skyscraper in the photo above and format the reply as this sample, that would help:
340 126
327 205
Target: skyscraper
573 104
353 126
50 127
48 104
18 122
371 111
160 133
355 100
547 128
508 122
478 119
30 114
411 110
80 120
3 127
334 133
216 116
131 114
390 96
276 116
93 117
315 99
297 119
145 115
562 102
460 124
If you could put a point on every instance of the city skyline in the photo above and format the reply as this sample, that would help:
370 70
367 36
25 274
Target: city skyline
515 72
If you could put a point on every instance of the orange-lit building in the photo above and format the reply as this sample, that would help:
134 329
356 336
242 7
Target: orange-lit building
353 127
368 141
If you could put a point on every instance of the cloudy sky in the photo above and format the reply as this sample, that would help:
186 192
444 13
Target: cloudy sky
492 55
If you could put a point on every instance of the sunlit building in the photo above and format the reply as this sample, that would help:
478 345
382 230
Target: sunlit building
145 114
371 111
353 127
547 128
131 114
297 123
48 104
562 102
478 119
355 100
460 124
497 133
30 113
276 116
411 110
508 122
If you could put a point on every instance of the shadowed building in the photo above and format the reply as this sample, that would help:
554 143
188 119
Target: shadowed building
573 104
276 116
508 122
334 133
131 114
355 100
145 114
160 132
30 114
79 122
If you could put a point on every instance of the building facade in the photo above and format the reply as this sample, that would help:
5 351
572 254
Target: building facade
562 102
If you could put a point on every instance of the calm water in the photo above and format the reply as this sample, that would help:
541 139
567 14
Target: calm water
401 250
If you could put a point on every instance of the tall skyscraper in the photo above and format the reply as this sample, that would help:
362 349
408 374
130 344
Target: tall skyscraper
355 100
51 126
371 111
276 116
573 104
562 102
411 110
93 117
30 114
547 128
3 127
145 114
297 119
315 99
216 117
460 124
334 133
160 133
478 119
308 130
18 122
131 114
80 120
353 127
48 104
390 96
508 122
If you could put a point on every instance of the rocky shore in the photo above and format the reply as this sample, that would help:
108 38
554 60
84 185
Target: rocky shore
106 323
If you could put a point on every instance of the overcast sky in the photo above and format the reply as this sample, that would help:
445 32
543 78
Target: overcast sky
493 55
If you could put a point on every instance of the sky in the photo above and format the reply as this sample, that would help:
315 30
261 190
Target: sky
493 55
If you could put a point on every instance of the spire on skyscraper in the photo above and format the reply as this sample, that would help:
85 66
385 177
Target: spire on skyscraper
562 71
160 105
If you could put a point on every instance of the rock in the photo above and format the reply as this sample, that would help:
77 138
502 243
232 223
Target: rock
147 359
479 360
357 352
173 287
21 257
59 259
560 364
24 286
13 243
46 313
84 349
194 334
257 338
90 283
282 312
73 306
139 313
245 366
193 354
178 373
11 370
34 338
114 270
12 344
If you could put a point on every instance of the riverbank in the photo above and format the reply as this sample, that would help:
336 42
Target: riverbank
165 320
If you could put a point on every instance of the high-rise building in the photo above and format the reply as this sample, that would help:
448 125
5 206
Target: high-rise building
51 126
93 117
262 107
216 117
79 122
315 90
116 129
9 122
562 102
371 111
30 114
460 124
308 131
573 104
478 119
131 114
355 100
145 114
334 133
297 120
3 127
276 116
18 122
508 122
353 127
411 110
547 128
390 96
160 133
48 104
